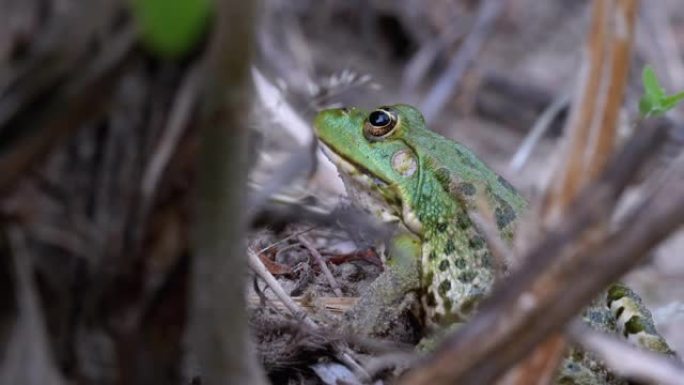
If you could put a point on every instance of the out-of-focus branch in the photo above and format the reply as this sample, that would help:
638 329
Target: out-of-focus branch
591 127
27 357
591 133
621 24
221 349
183 107
546 293
540 366
446 85
540 127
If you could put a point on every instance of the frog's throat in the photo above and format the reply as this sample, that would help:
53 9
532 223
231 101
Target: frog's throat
391 209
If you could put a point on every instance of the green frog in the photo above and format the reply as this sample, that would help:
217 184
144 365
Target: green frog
430 187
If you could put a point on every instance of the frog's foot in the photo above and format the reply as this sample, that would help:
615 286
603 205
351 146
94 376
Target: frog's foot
385 310
582 368
429 343
634 320
391 298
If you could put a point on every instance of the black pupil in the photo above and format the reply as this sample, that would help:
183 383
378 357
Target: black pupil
379 118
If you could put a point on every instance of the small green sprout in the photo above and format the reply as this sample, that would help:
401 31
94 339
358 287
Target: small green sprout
655 101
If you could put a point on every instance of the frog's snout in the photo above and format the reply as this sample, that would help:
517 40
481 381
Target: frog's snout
330 124
326 118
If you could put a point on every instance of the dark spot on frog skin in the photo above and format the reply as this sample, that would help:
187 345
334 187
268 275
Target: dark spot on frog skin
487 260
467 161
469 304
506 184
577 355
430 300
444 178
504 214
633 326
476 242
449 248
447 305
429 276
463 222
460 263
616 292
444 287
442 227
432 256
467 276
466 188
444 265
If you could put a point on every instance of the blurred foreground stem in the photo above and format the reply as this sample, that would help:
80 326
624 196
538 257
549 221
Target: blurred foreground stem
220 338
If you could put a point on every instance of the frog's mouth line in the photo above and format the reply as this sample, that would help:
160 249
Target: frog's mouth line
361 174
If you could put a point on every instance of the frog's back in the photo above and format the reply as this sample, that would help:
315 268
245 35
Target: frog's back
457 265
468 179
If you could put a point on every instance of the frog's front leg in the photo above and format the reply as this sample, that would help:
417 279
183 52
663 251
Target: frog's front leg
392 293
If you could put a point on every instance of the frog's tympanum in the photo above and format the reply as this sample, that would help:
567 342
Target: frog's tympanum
431 187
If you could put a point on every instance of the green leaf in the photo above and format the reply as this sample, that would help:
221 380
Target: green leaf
645 106
655 100
672 100
171 28
651 85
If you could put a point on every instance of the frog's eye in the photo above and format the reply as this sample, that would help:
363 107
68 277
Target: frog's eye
380 123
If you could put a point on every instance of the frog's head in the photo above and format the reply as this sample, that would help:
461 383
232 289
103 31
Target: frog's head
372 151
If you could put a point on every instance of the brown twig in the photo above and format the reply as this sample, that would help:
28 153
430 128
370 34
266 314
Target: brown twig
540 366
278 242
260 270
324 267
591 126
568 180
343 353
621 26
336 305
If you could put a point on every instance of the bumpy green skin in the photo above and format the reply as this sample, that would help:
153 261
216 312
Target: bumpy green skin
428 185
634 320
